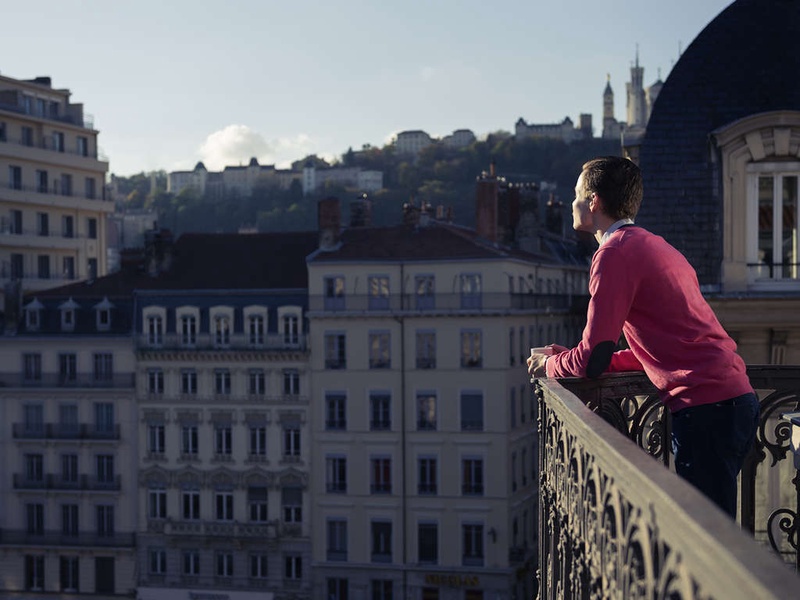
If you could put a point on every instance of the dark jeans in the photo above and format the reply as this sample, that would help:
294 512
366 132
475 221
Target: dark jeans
710 443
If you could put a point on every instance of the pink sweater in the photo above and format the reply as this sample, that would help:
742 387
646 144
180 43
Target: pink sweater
644 287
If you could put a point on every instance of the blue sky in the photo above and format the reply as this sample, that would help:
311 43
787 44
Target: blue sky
171 82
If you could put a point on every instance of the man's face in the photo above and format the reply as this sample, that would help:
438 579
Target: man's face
581 215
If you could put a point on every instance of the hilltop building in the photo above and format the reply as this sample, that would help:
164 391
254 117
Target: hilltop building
52 198
639 106
565 131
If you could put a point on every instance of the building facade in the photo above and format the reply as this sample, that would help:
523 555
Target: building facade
52 181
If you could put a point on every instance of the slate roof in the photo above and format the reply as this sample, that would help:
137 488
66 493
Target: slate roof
743 63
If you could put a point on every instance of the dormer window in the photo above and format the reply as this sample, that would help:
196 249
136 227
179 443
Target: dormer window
289 324
68 309
33 315
103 315
155 330
222 330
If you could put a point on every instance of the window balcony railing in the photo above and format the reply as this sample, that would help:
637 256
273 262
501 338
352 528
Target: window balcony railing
208 341
56 482
615 523
222 529
61 431
57 380
83 539
447 302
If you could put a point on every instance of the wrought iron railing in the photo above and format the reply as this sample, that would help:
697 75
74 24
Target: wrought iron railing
615 523
446 302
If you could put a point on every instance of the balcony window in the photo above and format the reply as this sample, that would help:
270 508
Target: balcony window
189 440
69 574
380 475
155 330
471 351
66 185
188 330
426 476
336 540
774 240
68 226
15 222
258 441
379 350
223 440
472 476
222 331
336 474
104 418
381 535
42 224
189 382
103 363
291 382
291 329
472 544
43 266
155 381
470 288
292 504
156 439
428 543
223 502
32 368
15 182
335 411
105 520
291 441
68 419
334 293
42 182
424 292
257 503
34 468
380 408
190 504
82 145
335 352
222 382
26 137
255 330
256 382
378 287
67 369
426 411
89 188
426 349
471 411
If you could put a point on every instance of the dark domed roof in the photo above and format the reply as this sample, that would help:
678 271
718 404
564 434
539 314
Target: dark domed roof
743 63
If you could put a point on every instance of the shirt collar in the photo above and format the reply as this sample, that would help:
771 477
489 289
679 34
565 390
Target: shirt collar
613 228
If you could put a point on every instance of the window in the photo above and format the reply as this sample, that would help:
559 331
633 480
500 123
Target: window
155 330
103 363
34 573
68 317
472 544
292 566
471 411
191 563
257 503
18 272
69 574
513 407
15 183
68 419
223 440
335 354
89 188
426 476
291 382
773 255
511 347
224 564
189 442
258 566
424 292
335 411
68 226
104 469
33 419
292 504
155 381
381 589
82 145
190 502
104 418
66 184
91 228
223 501
255 330
258 441
334 293
470 286
157 561
105 520
337 540
69 520
337 588
188 330
335 474
471 357
68 268
34 515
426 411
157 504
257 382
379 351
381 534
291 329
34 468
188 381
41 184
42 224
380 475
428 542
426 349
27 136
291 440
43 266
378 292
32 367
472 476
222 331
222 382
380 408
15 224
69 468
91 273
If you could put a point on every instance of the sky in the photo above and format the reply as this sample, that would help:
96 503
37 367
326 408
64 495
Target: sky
173 82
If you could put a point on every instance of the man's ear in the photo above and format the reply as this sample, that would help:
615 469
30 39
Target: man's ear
596 203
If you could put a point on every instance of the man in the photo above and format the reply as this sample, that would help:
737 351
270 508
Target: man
643 287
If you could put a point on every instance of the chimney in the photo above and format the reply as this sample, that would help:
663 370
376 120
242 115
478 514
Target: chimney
329 219
486 205
411 213
361 212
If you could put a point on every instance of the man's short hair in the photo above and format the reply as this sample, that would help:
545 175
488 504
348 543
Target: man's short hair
618 182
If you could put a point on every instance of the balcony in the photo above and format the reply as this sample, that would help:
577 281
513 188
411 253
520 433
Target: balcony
55 198
82 483
208 341
75 381
223 529
445 303
83 539
613 522
60 431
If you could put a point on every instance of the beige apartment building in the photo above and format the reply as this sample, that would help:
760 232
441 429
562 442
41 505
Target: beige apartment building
68 440
422 414
52 206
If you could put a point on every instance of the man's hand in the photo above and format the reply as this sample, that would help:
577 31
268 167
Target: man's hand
536 364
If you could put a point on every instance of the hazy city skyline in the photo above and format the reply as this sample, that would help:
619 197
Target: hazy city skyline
173 83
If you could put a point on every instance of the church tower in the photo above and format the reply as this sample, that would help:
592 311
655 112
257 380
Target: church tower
611 127
637 106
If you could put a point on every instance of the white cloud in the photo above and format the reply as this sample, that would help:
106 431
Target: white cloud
237 144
